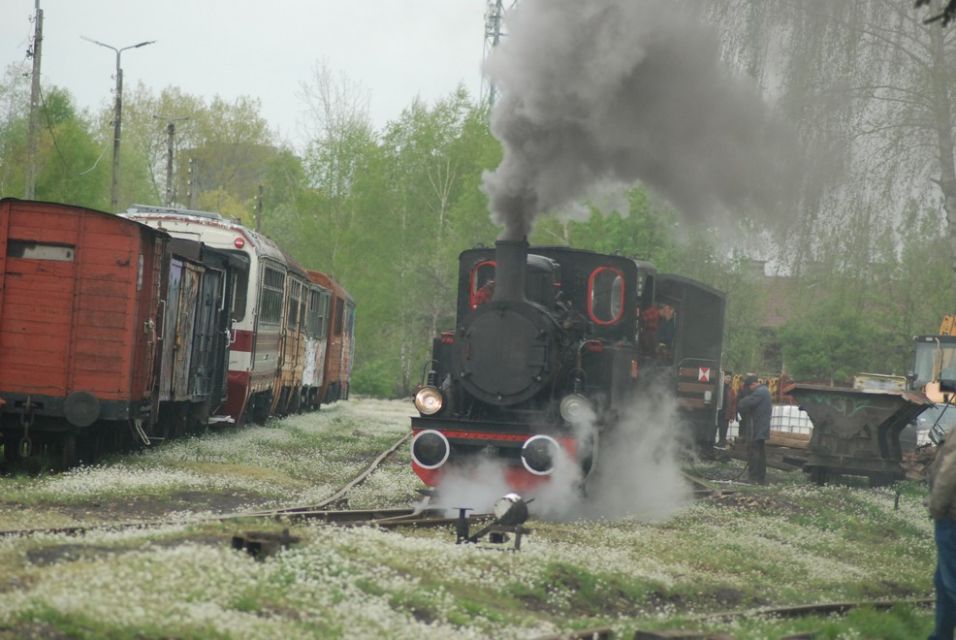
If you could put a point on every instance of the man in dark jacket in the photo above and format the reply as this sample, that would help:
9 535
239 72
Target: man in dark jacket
757 406
942 506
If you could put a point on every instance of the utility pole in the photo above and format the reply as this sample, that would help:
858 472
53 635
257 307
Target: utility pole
259 210
191 193
117 115
494 31
170 137
31 186
170 150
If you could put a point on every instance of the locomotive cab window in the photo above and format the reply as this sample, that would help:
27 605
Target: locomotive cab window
605 295
481 283
39 251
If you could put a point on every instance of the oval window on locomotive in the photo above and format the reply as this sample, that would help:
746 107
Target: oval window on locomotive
605 295
482 285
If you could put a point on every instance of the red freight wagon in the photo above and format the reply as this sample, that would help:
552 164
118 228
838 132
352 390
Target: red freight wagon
79 291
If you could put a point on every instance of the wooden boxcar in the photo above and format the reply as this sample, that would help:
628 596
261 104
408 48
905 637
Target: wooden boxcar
79 295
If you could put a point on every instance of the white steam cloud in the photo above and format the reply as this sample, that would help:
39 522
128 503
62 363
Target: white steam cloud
637 472
624 91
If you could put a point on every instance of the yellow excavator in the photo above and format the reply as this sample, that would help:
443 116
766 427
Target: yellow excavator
935 360
934 372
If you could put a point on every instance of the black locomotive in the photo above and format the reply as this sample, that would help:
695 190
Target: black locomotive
567 336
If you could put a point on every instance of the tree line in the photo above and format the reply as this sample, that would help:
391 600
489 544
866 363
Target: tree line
387 210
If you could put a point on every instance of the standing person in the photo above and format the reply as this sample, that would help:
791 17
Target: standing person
727 411
757 407
942 506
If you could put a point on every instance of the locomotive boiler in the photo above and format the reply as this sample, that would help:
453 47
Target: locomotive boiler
551 346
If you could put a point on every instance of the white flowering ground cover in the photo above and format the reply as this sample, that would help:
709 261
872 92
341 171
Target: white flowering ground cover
788 543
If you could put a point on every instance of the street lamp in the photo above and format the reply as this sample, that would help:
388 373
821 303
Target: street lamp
117 116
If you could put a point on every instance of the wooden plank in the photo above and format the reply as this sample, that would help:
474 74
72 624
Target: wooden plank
110 304
55 234
34 342
37 285
53 268
107 387
108 348
98 365
104 287
106 272
792 440
98 335
26 380
102 318
26 325
35 313
121 259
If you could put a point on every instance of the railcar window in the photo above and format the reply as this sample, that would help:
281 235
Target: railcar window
339 309
272 289
241 284
39 251
294 295
313 313
605 295
324 314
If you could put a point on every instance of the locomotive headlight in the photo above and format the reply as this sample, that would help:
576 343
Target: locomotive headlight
430 449
575 408
539 453
429 401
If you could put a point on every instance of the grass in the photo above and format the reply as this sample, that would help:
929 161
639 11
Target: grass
784 544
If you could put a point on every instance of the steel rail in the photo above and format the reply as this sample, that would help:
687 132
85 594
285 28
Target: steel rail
315 511
817 608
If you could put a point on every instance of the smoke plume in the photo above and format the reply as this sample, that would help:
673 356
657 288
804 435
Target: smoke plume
625 91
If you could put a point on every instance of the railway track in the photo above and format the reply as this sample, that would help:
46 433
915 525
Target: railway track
319 511
324 511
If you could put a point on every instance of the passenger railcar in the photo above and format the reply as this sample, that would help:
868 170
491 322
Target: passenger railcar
339 353
258 311
549 338
317 340
274 317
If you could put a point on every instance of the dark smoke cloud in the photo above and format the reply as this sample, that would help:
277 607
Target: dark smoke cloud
624 90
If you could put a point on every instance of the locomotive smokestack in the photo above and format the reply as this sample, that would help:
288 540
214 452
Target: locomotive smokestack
511 262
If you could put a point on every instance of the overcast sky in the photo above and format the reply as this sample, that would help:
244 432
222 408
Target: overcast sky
397 49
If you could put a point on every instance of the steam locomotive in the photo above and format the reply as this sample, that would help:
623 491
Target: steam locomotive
567 336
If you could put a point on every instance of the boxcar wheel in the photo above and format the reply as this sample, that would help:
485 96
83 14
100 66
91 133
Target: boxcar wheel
68 455
11 444
819 475
260 408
